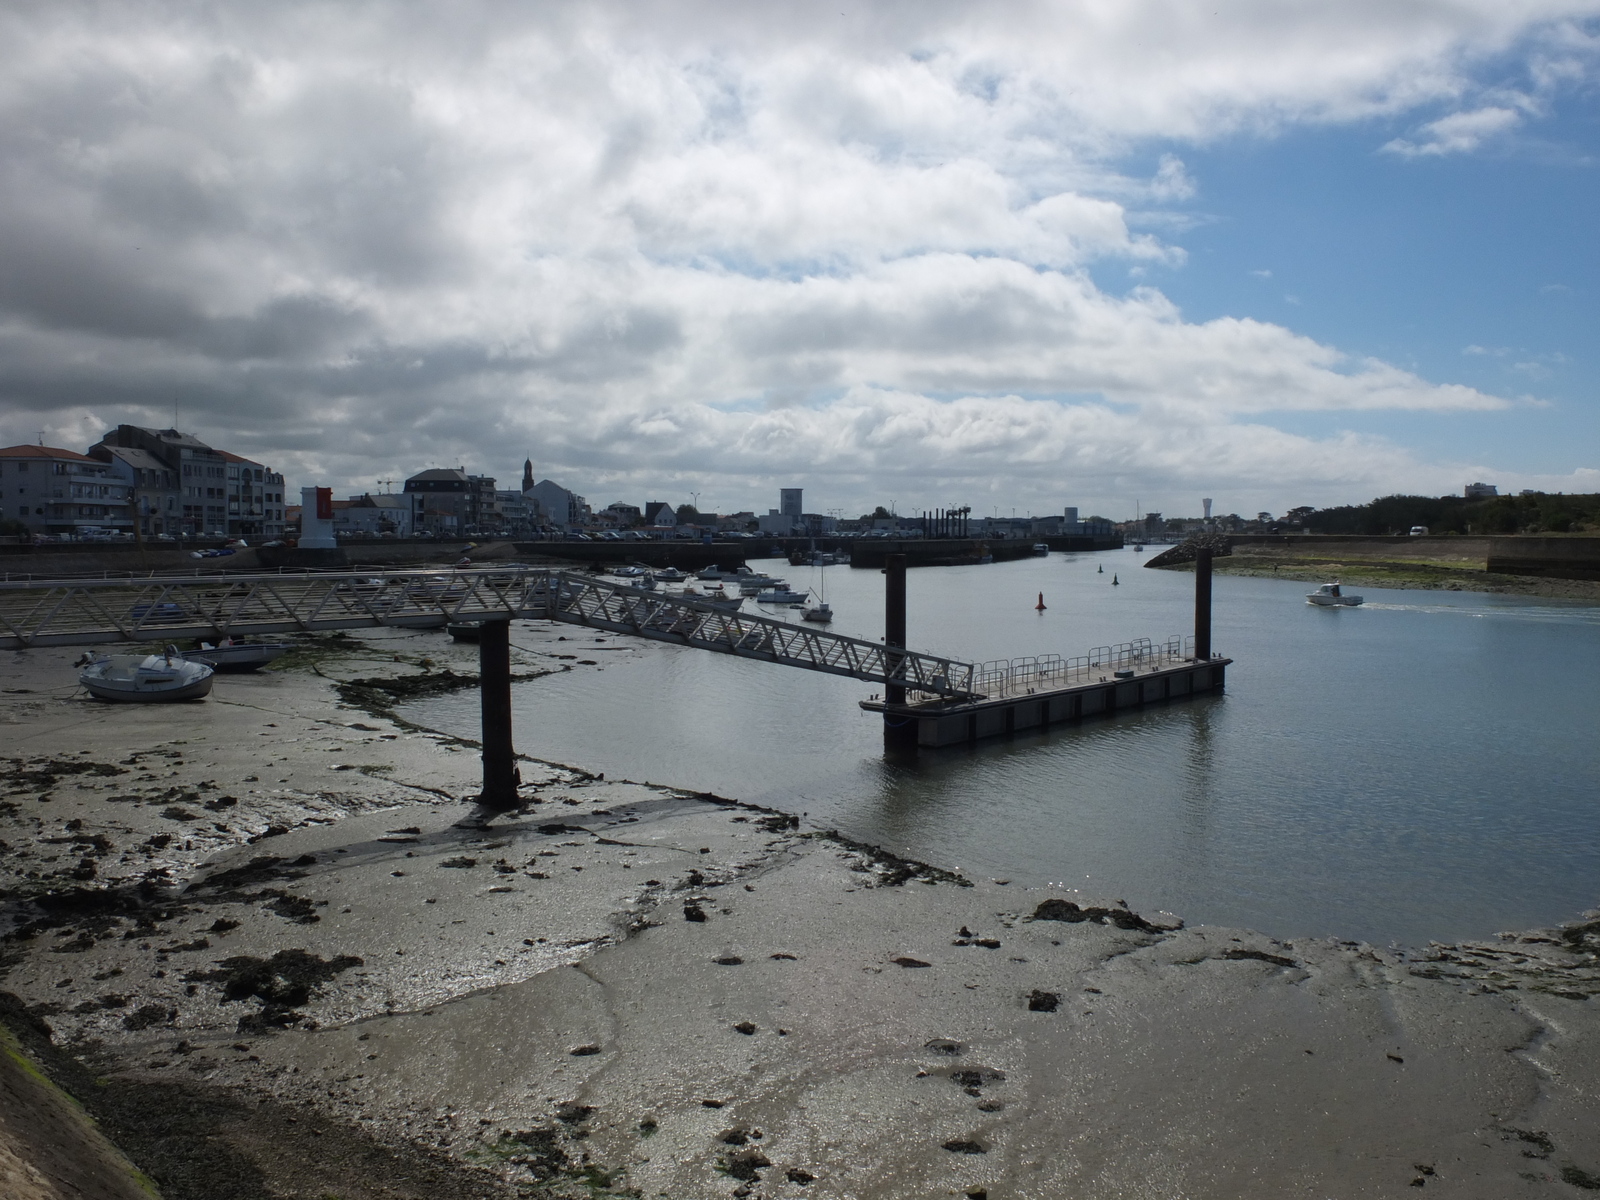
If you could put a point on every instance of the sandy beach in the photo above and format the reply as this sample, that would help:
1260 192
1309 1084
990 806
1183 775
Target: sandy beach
255 938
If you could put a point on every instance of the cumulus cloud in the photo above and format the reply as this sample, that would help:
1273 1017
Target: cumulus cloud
656 243
1458 133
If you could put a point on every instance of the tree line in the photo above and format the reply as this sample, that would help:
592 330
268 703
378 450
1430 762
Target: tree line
1536 512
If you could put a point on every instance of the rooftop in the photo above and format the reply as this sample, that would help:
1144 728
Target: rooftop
42 452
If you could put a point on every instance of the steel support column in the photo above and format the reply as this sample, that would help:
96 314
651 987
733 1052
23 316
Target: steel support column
500 776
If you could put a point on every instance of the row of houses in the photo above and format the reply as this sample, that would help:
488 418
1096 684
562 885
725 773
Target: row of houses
149 482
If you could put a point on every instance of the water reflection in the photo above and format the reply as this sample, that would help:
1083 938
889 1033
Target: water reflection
1422 767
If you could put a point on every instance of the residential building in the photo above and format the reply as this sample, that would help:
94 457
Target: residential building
448 502
441 499
152 484
660 514
219 494
559 506
61 492
255 498
518 513
384 515
626 516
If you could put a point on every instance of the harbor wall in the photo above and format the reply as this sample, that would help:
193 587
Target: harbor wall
1575 556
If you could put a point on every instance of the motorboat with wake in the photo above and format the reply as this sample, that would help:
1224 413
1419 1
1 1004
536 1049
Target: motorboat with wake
1329 596
145 678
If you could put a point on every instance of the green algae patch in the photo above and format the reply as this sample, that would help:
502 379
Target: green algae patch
55 1132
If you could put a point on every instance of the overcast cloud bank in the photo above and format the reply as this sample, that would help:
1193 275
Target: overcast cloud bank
672 246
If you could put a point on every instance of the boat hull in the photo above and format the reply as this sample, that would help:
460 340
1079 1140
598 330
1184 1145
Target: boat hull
237 659
198 690
1334 601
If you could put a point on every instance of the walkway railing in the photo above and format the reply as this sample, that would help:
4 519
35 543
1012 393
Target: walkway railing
175 608
80 611
1002 678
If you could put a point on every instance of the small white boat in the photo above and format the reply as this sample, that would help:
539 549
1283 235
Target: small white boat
1329 596
782 597
233 656
818 612
630 572
669 575
1041 548
714 599
712 573
765 583
146 678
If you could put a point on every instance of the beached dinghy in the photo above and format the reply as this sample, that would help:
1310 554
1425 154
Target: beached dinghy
146 678
232 656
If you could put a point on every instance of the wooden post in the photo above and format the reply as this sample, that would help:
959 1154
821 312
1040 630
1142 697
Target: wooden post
1202 604
500 775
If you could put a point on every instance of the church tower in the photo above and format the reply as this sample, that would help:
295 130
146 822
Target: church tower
527 476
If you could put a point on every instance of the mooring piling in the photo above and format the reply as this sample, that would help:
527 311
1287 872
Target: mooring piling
1202 603
494 685
894 617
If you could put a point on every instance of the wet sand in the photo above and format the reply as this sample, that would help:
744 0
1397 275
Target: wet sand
259 922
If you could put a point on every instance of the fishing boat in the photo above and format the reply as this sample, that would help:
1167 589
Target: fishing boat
1329 596
761 583
1041 549
819 613
669 575
630 572
231 656
712 573
145 678
783 596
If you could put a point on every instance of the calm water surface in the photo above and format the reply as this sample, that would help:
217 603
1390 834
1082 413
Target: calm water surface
1423 767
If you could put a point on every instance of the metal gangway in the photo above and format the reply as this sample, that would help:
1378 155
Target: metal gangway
42 612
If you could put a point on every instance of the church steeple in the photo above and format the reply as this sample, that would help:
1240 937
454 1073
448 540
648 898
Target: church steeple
527 475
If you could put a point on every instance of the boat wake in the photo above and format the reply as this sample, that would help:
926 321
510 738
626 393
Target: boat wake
1587 614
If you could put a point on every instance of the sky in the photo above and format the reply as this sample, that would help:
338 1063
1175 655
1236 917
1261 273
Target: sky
1115 254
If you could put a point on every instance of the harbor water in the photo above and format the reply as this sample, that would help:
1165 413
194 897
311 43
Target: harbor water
1424 767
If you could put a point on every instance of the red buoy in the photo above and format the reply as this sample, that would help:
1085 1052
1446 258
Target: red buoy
1039 607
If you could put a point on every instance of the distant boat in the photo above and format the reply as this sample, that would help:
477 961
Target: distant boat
819 613
146 678
712 572
1329 596
630 572
669 575
1041 548
231 656
782 597
714 599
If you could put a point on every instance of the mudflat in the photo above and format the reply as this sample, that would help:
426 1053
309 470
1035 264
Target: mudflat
255 936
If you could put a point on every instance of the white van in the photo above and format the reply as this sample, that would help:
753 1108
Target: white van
1418 530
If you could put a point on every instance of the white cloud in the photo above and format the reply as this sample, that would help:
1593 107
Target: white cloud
653 242
1459 133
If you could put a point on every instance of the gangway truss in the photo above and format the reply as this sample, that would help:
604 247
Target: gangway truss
42 612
